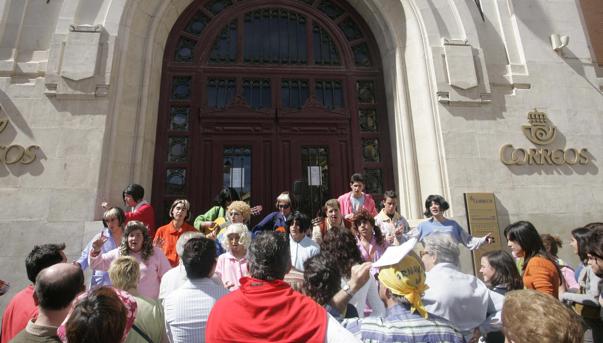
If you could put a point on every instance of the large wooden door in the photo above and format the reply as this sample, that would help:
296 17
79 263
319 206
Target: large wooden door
270 95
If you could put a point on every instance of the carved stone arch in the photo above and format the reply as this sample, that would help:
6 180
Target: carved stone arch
130 136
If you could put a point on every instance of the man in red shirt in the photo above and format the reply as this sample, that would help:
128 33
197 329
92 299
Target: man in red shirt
267 309
22 307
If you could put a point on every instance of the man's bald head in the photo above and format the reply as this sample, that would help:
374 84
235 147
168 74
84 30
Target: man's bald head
57 286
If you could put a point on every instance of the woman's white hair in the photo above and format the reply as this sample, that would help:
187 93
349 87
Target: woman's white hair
444 247
241 230
184 238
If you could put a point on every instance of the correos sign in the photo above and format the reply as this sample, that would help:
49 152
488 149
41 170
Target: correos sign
540 132
14 153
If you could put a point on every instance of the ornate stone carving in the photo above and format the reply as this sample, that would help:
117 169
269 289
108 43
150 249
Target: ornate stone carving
73 69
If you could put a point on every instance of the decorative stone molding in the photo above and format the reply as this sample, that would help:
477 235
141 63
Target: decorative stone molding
461 73
74 69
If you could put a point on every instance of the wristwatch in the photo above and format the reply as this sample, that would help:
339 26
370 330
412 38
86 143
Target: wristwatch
348 290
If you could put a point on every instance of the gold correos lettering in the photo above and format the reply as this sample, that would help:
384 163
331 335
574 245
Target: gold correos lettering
583 156
9 159
502 154
557 157
533 156
30 154
566 156
521 161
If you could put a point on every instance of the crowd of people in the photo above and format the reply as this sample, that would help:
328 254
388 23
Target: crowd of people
351 274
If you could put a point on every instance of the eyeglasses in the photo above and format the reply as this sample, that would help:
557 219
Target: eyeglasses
423 253
284 206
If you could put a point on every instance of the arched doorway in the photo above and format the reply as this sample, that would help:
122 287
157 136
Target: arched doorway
266 96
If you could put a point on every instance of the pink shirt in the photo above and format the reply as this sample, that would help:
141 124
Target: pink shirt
375 251
345 204
229 269
151 270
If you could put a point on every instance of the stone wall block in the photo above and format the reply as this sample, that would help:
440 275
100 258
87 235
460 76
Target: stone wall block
20 205
65 204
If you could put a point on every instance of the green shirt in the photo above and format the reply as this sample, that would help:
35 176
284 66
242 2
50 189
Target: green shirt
209 216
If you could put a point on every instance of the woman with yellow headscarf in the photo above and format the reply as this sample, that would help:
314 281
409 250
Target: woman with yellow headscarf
401 286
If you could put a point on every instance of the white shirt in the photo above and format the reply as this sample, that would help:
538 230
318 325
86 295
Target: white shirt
176 277
337 333
367 294
301 251
461 298
187 309
172 280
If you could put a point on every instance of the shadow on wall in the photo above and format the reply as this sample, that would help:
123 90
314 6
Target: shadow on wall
533 15
503 221
13 114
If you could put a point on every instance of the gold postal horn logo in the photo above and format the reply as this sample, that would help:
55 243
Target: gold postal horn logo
539 132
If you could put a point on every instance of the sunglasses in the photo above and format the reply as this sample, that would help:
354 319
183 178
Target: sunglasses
284 206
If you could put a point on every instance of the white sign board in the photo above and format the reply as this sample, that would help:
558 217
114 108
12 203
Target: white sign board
314 176
237 177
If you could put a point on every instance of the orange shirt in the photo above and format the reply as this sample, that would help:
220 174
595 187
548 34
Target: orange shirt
170 236
541 275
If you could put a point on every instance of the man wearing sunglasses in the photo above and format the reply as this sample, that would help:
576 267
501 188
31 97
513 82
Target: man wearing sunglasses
276 221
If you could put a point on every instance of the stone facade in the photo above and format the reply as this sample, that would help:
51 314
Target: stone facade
81 80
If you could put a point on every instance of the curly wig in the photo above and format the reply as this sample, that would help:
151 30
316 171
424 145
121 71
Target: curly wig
147 243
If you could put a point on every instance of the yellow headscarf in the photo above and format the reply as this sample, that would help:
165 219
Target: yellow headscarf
407 279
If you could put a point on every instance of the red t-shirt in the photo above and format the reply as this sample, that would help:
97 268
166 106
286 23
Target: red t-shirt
266 311
19 311
145 214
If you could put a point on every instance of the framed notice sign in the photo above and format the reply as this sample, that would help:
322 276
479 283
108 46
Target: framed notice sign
482 219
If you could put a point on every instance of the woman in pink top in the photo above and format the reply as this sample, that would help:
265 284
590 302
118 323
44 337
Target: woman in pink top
232 265
136 243
369 239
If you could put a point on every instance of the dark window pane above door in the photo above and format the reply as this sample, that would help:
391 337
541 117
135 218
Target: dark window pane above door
275 36
220 92
329 94
325 51
197 24
257 93
184 51
294 93
225 47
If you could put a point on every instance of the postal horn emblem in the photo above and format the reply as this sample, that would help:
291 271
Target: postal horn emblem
539 131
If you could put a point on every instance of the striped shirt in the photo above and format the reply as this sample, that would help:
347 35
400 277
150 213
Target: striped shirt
400 325
187 309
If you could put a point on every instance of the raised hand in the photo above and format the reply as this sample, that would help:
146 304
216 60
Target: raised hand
489 238
360 275
99 242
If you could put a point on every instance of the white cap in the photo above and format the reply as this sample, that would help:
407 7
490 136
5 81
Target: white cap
395 254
